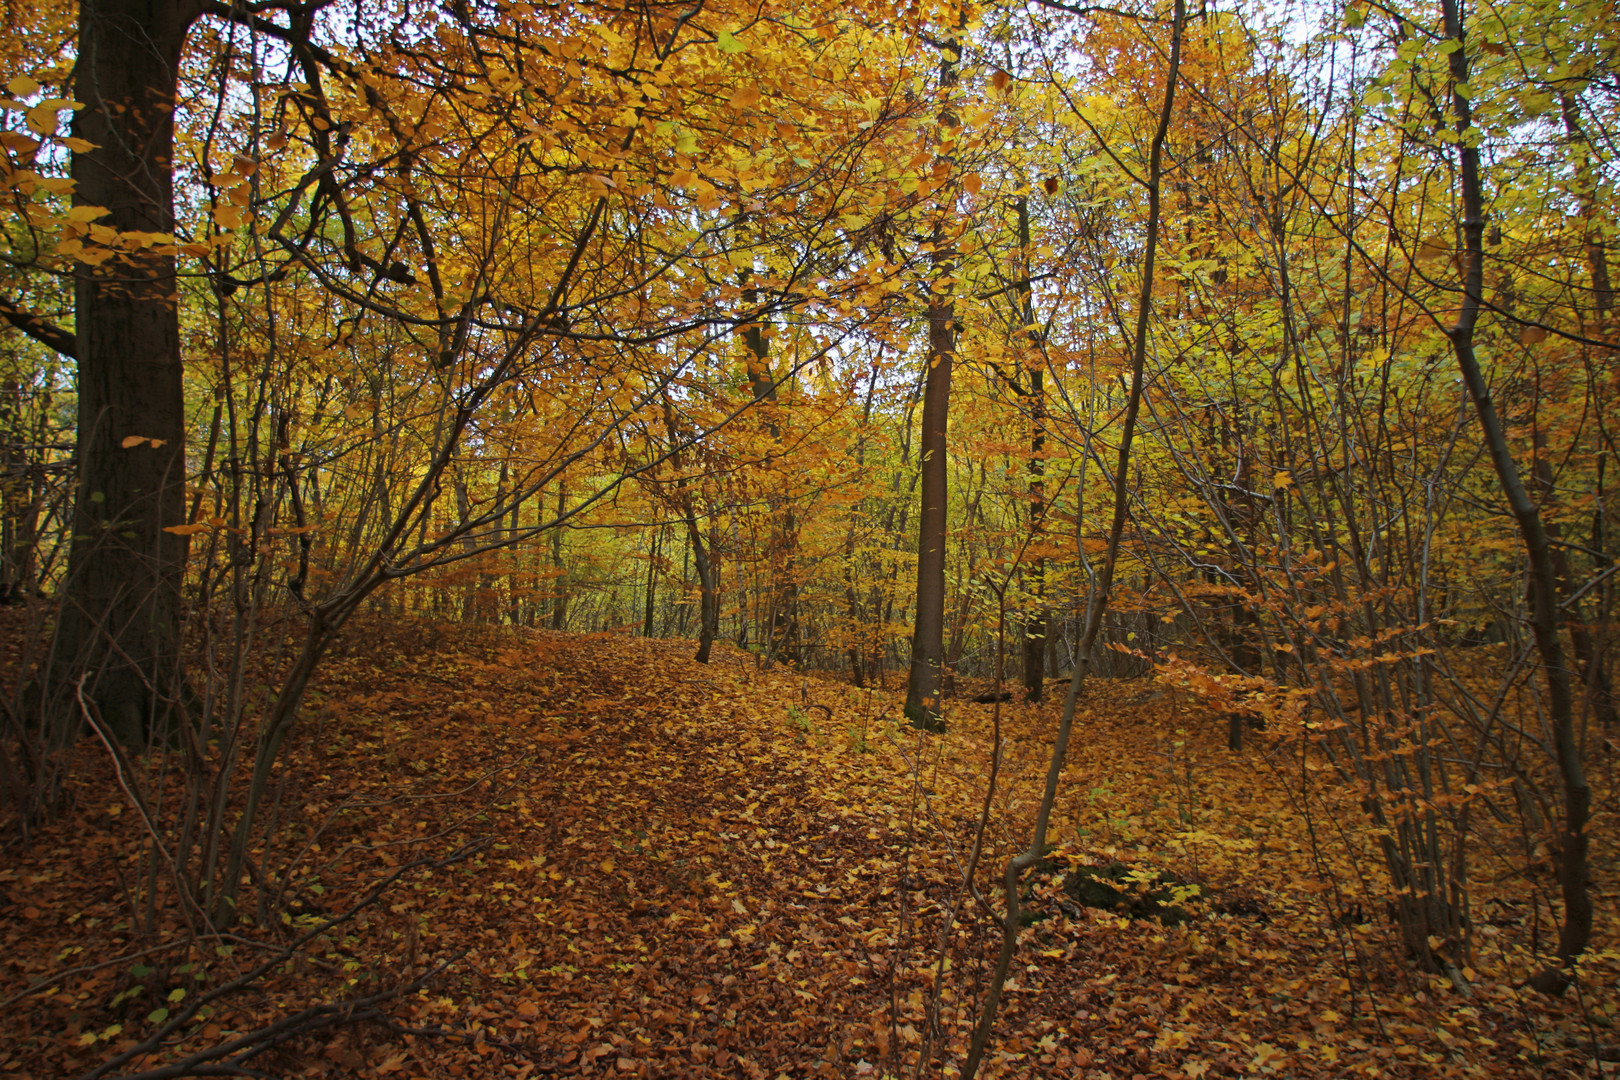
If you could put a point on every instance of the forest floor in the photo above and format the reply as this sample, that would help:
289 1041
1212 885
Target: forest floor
666 869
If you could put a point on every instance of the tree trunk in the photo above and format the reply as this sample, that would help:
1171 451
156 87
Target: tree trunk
1036 616
709 596
1544 619
1597 259
702 555
928 629
652 585
784 541
559 601
121 606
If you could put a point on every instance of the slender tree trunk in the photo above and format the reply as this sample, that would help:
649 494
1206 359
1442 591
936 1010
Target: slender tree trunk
121 609
1036 617
1098 605
783 544
1576 931
559 586
708 593
702 554
1597 257
652 585
928 628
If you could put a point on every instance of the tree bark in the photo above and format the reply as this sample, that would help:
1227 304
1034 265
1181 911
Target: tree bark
928 628
121 607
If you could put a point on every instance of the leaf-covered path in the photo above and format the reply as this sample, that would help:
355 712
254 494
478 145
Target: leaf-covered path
687 870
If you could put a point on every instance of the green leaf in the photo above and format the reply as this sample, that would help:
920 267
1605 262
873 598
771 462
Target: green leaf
157 1016
140 971
729 44
177 995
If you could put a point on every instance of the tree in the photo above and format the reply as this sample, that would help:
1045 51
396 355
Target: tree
928 629
1545 619
116 647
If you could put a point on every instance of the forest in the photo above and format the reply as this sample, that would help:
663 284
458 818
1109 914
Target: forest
958 538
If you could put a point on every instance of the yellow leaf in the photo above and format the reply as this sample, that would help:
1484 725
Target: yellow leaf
87 213
136 440
22 86
1434 249
745 98
1281 480
41 120
78 145
607 866
185 530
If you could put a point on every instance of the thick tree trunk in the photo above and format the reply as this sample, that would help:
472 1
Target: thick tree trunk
928 629
121 605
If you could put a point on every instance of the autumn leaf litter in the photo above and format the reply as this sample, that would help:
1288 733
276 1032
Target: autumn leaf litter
690 870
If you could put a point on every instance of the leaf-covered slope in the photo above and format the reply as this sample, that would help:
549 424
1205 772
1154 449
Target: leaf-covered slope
688 870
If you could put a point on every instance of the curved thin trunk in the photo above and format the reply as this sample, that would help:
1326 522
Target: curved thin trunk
1576 932
1098 605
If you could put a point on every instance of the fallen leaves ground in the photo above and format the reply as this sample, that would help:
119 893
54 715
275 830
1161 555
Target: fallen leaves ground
691 870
